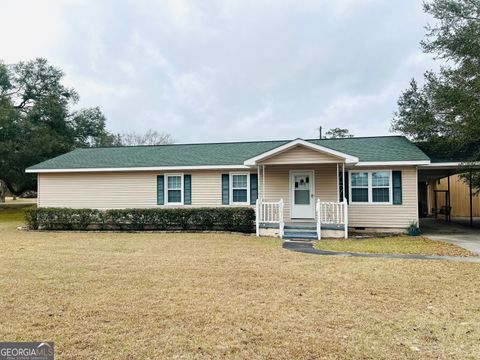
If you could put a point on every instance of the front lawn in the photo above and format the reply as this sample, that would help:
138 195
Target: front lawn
152 295
393 245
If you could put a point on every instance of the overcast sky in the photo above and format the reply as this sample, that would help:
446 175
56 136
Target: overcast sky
227 70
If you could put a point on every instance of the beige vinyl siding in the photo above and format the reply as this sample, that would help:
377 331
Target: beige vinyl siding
118 190
301 155
277 182
385 215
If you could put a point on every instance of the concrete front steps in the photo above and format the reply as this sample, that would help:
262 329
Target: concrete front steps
308 231
302 231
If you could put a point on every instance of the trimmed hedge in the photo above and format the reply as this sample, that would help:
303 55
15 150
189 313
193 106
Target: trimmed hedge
239 219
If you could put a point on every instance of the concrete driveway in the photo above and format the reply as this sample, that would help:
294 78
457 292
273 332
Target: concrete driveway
464 236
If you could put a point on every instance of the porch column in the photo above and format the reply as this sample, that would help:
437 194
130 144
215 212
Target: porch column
338 184
263 180
260 190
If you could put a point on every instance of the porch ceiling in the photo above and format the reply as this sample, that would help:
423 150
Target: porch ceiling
436 171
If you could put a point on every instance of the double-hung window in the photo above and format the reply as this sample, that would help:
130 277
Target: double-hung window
240 188
174 189
371 187
359 187
381 186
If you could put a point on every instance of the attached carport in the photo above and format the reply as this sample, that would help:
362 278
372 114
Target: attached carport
428 201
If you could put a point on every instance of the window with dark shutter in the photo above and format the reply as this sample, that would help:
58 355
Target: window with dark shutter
187 189
160 190
253 188
225 189
397 187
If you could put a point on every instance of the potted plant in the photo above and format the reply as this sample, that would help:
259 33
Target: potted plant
413 229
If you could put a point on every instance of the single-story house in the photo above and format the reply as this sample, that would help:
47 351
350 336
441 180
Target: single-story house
300 188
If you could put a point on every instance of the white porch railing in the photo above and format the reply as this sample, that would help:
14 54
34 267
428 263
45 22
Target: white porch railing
331 213
269 212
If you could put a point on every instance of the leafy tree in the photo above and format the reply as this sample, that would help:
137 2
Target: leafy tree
88 127
443 115
337 133
37 121
151 137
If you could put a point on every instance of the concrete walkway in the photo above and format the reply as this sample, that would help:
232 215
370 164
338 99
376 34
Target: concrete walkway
306 247
460 235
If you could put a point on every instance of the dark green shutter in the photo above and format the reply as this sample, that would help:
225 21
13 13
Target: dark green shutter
225 189
397 187
160 190
253 188
187 189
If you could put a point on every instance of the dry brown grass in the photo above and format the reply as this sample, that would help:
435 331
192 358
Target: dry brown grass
394 245
118 296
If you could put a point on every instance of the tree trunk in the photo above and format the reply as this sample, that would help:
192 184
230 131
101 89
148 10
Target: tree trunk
3 191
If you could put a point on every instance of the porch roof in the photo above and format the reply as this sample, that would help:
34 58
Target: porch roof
317 148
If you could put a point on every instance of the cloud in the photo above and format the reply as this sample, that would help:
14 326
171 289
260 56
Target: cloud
229 70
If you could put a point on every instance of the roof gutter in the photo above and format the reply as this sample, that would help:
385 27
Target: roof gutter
450 165
392 163
151 168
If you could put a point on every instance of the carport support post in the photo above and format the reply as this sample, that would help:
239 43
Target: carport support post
448 199
471 200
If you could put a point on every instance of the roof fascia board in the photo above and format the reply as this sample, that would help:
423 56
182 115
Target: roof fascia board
388 163
152 168
279 149
449 165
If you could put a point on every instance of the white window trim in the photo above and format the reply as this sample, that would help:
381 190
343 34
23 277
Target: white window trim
231 188
166 189
370 188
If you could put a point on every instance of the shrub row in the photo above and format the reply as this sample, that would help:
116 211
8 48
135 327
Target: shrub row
240 219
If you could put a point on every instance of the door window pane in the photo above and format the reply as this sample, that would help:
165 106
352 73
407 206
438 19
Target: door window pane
301 189
302 197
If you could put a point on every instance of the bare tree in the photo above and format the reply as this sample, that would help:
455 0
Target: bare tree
151 137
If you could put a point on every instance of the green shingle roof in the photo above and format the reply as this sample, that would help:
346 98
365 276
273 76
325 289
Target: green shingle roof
384 148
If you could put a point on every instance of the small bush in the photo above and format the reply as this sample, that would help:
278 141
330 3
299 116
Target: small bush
240 219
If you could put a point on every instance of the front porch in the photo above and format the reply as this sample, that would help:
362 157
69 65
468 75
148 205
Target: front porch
301 193
331 221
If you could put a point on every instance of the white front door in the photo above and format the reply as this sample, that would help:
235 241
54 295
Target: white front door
302 198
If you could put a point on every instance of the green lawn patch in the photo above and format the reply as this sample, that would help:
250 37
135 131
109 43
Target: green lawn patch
394 245
13 213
